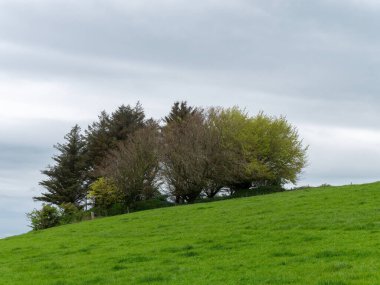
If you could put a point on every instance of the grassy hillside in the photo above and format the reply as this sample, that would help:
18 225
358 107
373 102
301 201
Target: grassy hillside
317 236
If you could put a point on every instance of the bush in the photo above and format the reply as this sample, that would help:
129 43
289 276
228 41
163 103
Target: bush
160 202
69 213
104 193
112 210
47 217
120 208
50 216
257 191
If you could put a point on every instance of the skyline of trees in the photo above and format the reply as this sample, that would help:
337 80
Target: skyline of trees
125 158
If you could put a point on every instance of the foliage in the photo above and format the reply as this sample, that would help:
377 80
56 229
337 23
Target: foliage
70 213
274 152
47 217
179 112
226 163
257 191
312 236
159 202
113 210
133 167
196 153
184 157
65 178
104 135
125 121
98 140
107 200
103 193
269 148
225 147
50 216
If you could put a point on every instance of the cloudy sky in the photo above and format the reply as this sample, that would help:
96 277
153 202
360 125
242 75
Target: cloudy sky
62 62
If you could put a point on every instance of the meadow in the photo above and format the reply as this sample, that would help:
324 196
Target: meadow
323 236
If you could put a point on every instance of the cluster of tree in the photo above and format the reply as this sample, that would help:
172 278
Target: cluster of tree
124 158
50 216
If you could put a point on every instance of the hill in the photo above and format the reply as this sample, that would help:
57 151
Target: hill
328 235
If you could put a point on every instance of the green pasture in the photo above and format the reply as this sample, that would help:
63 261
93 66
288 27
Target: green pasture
324 236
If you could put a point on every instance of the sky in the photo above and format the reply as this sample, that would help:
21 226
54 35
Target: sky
63 62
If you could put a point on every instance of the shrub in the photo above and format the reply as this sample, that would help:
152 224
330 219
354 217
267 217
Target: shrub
159 202
69 213
112 210
47 217
257 191
121 208
104 193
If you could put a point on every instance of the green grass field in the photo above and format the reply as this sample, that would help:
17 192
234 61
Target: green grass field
325 236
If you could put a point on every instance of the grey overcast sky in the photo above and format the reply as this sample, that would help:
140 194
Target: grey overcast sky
62 62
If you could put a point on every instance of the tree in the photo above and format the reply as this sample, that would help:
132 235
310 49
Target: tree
271 149
179 112
202 154
225 162
196 151
134 165
104 135
104 193
260 150
274 151
65 183
98 140
184 157
125 121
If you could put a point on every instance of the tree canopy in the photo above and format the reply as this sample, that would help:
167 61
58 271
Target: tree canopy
104 135
125 158
64 183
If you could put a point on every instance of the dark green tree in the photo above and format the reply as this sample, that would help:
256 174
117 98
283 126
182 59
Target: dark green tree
179 112
104 135
65 182
125 121
98 140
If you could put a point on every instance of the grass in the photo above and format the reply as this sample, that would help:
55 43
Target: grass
322 236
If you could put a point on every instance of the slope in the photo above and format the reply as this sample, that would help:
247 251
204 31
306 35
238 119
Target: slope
328 235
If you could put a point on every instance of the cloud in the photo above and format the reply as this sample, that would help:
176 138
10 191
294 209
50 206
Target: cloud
366 4
254 44
341 155
62 62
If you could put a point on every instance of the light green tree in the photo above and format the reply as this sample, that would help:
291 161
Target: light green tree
269 148
103 193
